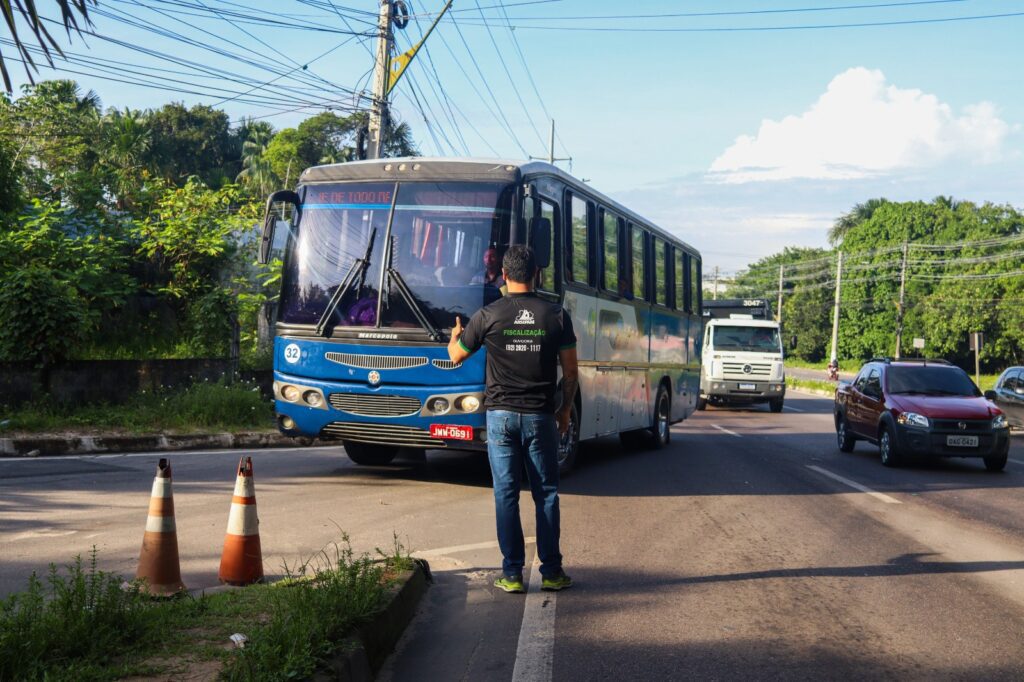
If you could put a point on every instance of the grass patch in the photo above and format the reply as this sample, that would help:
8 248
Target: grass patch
84 624
844 365
200 407
811 384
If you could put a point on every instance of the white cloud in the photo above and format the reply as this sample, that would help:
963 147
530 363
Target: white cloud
863 127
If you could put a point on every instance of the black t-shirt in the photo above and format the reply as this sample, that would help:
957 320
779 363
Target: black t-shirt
523 334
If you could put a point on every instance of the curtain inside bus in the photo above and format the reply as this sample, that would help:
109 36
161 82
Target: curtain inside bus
442 236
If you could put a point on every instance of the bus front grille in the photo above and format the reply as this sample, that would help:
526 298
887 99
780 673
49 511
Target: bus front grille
375 405
446 364
376 361
386 434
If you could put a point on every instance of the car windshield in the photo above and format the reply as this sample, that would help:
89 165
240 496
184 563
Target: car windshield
926 380
749 339
447 240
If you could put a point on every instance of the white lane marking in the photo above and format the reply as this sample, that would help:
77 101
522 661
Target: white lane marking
725 430
856 486
535 653
445 551
790 407
1015 461
158 454
32 534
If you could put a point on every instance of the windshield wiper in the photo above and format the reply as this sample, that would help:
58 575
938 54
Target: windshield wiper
421 315
357 271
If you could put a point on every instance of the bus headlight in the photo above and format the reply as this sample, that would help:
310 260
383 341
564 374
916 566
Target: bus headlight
439 405
313 398
290 393
287 423
468 403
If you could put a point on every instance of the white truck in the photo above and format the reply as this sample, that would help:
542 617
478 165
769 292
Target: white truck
741 360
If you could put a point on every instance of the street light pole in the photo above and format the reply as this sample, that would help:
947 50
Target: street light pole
835 312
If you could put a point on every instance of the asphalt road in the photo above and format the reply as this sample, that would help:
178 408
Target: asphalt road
750 548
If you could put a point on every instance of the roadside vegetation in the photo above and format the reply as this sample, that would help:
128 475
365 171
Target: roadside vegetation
83 624
202 407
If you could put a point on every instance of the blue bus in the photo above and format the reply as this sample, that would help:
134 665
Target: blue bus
381 256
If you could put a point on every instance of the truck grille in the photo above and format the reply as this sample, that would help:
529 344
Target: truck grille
756 369
385 434
375 405
376 361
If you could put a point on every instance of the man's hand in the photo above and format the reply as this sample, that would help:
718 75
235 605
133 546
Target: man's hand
455 351
457 329
562 417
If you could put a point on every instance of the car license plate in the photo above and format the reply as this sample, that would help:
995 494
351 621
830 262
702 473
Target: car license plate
451 432
748 387
962 441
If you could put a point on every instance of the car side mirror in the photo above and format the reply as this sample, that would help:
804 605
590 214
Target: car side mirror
991 395
270 220
540 241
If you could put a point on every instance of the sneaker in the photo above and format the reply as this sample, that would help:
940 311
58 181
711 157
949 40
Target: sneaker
510 583
556 582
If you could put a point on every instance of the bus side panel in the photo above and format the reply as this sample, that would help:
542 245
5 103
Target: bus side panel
583 310
694 341
633 356
668 359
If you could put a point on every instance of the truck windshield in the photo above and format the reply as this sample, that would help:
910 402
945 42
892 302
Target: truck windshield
747 339
930 381
442 235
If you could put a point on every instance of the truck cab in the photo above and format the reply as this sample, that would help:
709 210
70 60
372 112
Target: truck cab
741 362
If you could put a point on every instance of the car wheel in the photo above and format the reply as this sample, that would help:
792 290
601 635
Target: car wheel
888 449
369 455
997 463
775 405
843 436
702 404
569 443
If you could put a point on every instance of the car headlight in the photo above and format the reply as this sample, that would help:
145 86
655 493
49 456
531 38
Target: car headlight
468 403
1000 422
290 393
913 419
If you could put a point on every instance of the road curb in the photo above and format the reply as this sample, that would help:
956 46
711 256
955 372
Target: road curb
33 446
362 654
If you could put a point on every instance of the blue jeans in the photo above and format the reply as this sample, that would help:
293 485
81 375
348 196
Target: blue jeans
515 439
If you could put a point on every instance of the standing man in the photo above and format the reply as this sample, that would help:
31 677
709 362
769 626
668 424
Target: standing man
526 337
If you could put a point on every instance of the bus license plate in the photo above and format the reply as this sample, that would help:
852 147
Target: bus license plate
451 432
962 441
748 387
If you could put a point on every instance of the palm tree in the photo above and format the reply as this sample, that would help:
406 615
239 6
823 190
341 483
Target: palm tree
860 213
30 15
127 140
256 170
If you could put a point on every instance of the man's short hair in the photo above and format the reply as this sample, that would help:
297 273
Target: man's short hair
520 263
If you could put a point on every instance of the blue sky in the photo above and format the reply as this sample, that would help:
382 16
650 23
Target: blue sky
741 142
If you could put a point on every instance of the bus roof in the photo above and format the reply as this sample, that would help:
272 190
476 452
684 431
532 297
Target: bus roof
468 169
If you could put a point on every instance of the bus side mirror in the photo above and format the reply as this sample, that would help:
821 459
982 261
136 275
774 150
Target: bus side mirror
540 241
270 220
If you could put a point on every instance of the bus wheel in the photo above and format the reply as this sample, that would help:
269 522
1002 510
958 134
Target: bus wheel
365 453
569 443
661 430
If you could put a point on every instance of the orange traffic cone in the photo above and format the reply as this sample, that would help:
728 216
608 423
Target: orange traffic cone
242 560
158 561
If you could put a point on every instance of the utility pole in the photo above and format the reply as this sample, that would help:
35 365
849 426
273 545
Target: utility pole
550 158
899 307
379 110
835 312
714 295
782 270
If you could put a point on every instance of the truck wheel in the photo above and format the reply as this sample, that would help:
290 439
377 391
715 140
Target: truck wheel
843 436
775 404
888 449
661 429
997 463
702 403
370 455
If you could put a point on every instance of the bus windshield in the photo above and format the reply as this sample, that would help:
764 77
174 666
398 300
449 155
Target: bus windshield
747 339
441 235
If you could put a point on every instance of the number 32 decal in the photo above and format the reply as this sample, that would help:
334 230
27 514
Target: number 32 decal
291 353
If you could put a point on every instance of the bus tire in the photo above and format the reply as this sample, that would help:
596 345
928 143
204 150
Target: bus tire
368 454
569 443
661 429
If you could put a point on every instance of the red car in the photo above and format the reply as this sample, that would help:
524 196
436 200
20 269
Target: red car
920 408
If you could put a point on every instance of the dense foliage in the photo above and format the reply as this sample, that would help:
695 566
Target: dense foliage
130 233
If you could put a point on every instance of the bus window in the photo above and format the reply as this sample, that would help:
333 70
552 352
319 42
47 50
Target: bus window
695 286
660 274
610 251
637 253
547 277
677 261
579 254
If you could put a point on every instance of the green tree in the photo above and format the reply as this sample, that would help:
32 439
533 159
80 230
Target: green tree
257 173
854 217
72 11
127 140
283 156
194 141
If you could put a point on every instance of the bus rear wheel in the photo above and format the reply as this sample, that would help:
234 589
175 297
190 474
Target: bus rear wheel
368 454
661 430
569 443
